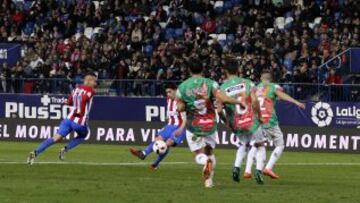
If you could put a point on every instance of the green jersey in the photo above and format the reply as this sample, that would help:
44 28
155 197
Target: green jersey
198 94
242 119
266 93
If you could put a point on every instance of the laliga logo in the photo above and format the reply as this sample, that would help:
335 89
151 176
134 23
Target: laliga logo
322 114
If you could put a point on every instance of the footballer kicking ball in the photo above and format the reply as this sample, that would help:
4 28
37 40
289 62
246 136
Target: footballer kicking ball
159 147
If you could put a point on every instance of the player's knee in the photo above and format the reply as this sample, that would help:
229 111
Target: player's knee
57 138
208 150
157 138
199 151
170 143
81 135
259 144
280 146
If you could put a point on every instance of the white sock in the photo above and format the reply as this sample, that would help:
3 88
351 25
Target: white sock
201 159
250 159
275 155
240 154
213 159
260 157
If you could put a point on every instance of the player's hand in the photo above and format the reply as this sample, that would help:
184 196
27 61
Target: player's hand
178 132
242 104
301 105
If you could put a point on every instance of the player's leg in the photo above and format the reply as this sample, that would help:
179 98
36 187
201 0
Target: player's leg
197 145
260 160
240 154
203 157
249 162
278 141
142 154
82 132
159 158
64 130
260 155
209 169
170 142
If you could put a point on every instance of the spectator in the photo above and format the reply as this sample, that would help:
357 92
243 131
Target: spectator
333 78
154 39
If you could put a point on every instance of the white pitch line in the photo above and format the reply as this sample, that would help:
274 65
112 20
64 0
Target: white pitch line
164 163
91 163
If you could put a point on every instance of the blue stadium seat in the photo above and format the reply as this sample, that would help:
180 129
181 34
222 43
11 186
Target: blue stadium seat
122 29
223 43
179 32
169 33
65 17
288 64
29 28
28 5
236 2
148 49
219 10
198 19
228 5
289 14
319 2
230 37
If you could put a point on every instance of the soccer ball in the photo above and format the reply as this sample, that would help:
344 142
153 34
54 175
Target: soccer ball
159 147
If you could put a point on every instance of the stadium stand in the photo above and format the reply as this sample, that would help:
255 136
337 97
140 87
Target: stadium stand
151 40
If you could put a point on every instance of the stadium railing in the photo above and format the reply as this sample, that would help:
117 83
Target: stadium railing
155 88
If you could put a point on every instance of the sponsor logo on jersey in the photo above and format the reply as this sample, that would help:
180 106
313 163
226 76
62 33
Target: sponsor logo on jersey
236 89
199 91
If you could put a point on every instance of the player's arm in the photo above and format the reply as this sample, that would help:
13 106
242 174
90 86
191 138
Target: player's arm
282 95
220 111
69 100
182 126
180 104
255 103
221 97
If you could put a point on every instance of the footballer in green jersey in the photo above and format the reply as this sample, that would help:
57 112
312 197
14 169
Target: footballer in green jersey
244 121
196 96
267 93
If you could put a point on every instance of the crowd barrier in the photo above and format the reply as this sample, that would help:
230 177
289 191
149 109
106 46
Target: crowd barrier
154 88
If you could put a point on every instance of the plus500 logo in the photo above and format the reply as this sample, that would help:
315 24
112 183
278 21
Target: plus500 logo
47 111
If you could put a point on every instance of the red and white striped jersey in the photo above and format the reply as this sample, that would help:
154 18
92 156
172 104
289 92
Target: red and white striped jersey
173 115
81 100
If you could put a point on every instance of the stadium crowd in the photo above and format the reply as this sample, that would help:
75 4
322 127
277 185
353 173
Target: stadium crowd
153 39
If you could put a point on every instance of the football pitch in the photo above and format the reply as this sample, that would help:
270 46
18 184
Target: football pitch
108 173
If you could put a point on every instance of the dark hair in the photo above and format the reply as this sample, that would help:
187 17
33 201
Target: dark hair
232 66
171 86
195 66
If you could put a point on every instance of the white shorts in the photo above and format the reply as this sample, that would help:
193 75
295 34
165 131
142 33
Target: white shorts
274 134
195 143
251 139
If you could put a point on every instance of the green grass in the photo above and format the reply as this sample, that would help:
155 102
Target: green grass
173 182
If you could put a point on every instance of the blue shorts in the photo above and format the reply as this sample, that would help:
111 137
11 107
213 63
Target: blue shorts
67 126
168 133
